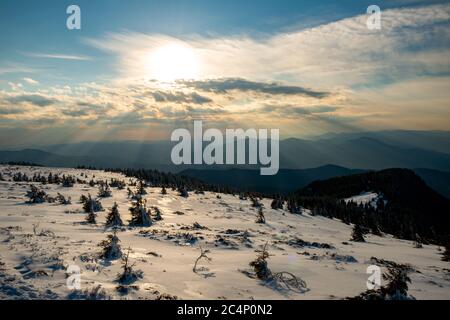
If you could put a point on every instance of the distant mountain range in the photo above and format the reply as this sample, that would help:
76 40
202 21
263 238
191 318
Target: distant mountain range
427 150
286 181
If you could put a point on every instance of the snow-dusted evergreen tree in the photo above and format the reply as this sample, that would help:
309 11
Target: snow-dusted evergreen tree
119 184
446 254
62 200
417 242
260 264
158 216
140 216
140 188
261 218
130 193
255 202
358 233
113 219
89 203
182 191
36 195
104 191
67 181
397 287
277 204
91 217
128 275
293 207
111 247
163 191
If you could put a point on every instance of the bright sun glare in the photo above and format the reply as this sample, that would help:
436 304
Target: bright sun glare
172 62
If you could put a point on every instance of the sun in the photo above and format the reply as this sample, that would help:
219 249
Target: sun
172 62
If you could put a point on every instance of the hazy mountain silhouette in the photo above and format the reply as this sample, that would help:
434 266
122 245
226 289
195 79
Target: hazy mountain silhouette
284 182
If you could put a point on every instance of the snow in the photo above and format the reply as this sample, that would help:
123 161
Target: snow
370 198
33 266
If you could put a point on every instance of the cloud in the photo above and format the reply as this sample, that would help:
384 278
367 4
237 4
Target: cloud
15 68
412 41
30 81
33 99
58 56
227 85
289 110
179 97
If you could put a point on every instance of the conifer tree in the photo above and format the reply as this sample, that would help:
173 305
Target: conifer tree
158 216
104 191
36 195
111 247
113 219
261 218
358 234
140 188
91 204
446 254
140 216
183 192
91 217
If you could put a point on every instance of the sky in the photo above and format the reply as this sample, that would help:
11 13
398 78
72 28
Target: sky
137 70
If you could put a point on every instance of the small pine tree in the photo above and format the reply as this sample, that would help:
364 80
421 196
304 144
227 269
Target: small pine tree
255 202
140 188
293 208
183 192
83 198
358 234
113 219
93 204
111 247
158 216
261 218
397 288
130 193
104 191
68 182
446 254
417 242
140 217
277 204
260 264
91 217
36 195
163 191
62 200
128 275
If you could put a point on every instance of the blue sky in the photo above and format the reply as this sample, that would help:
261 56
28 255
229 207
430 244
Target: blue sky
113 73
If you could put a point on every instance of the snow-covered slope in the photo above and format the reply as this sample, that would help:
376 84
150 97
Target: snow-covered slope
370 198
39 241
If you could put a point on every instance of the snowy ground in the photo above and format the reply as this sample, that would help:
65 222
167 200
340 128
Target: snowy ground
33 264
370 198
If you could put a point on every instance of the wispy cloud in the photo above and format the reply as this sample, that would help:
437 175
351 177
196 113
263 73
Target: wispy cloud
227 85
58 56
30 81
